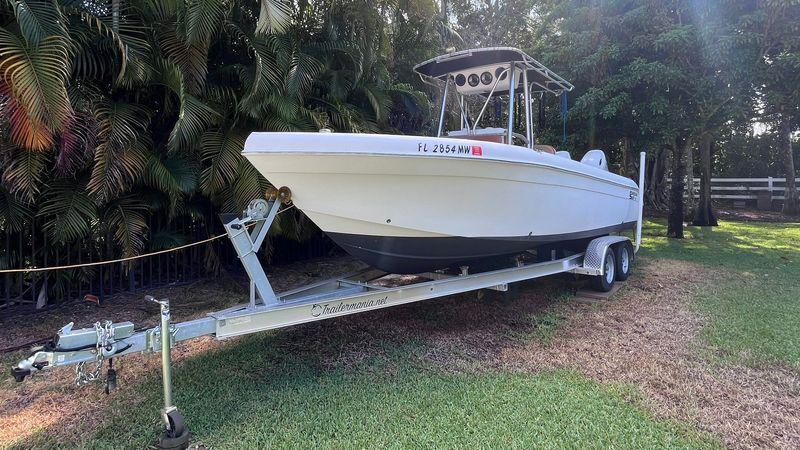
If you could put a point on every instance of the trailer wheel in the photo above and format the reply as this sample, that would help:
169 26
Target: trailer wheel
623 262
177 437
605 282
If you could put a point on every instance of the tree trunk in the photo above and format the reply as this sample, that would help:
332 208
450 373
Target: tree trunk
689 205
628 162
790 203
704 213
656 181
675 220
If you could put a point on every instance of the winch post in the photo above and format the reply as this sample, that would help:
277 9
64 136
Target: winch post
247 244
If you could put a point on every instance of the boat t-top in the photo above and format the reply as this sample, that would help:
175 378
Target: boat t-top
409 204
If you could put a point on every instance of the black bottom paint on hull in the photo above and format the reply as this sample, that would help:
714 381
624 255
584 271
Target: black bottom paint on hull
406 255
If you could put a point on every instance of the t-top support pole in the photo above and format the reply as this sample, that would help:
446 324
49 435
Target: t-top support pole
444 105
511 94
527 92
642 157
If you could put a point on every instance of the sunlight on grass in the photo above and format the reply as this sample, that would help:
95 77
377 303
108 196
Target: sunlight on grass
755 315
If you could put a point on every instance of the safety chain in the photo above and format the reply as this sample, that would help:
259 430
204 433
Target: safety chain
105 339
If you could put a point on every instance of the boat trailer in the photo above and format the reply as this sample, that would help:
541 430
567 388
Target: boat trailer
354 293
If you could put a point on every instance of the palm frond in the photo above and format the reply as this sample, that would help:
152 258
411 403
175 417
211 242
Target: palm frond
14 213
191 58
68 210
23 131
116 169
194 116
23 172
120 123
128 38
222 152
122 154
165 239
302 72
37 75
174 176
248 185
203 20
274 16
126 219
76 144
38 19
265 71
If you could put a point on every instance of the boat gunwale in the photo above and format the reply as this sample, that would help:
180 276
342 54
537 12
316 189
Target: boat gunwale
496 160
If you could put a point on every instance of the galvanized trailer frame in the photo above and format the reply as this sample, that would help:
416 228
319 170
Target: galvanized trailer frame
357 292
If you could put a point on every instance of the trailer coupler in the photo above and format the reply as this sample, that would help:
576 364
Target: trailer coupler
104 341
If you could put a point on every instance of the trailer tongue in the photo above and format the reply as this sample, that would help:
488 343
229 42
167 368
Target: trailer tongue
360 291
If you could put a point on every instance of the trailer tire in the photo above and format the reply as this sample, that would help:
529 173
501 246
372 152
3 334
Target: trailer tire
605 282
624 259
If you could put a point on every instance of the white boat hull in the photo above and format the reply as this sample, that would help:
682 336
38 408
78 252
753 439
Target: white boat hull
400 204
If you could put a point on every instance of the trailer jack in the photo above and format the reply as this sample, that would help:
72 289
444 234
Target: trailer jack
175 434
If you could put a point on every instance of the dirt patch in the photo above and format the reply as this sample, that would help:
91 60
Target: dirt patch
754 215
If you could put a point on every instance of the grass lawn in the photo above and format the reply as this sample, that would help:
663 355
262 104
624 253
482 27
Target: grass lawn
756 313
252 392
249 395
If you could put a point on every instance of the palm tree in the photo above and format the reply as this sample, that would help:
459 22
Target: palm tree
117 114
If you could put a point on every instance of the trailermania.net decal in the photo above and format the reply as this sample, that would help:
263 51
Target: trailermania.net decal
450 149
327 309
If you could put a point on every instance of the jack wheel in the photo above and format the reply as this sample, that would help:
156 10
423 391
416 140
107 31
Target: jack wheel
177 436
623 262
605 282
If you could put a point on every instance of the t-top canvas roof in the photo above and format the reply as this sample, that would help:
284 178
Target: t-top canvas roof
541 78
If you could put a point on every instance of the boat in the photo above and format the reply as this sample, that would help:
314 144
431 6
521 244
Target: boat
414 204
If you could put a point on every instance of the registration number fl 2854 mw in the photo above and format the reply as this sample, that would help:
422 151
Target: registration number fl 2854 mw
474 150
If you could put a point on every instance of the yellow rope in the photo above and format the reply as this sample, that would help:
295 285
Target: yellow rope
100 263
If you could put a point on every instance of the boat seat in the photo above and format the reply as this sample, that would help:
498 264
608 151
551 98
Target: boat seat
497 135
596 158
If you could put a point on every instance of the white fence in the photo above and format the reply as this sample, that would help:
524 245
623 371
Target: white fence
744 188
